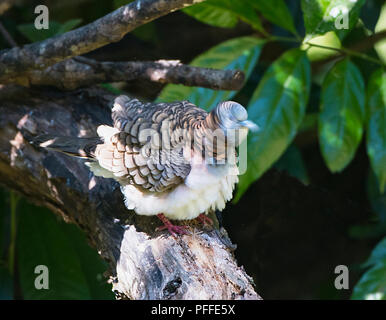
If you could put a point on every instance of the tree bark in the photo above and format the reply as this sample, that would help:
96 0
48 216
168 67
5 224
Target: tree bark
144 264
80 72
16 62
55 61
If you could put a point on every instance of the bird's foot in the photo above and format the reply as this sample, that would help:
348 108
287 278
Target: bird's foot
205 220
173 229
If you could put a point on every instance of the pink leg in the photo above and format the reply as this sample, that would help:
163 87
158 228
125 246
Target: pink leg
205 220
173 229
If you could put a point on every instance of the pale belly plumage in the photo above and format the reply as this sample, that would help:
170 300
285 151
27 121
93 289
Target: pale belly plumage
205 188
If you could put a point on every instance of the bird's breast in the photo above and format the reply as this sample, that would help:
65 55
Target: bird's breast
206 187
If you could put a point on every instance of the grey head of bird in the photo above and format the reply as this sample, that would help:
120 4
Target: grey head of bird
232 118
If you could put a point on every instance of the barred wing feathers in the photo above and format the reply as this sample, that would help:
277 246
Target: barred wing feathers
134 157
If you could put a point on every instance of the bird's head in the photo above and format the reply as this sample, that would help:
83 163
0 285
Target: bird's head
233 117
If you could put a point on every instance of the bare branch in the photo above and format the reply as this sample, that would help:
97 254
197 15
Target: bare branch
110 28
369 42
144 264
80 72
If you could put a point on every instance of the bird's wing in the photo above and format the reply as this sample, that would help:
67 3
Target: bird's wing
135 151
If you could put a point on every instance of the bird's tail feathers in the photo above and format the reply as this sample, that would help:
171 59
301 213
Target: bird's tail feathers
76 147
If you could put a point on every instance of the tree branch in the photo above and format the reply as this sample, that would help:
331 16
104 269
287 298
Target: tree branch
110 28
369 42
80 72
144 264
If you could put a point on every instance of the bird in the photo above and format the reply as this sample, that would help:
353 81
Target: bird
172 160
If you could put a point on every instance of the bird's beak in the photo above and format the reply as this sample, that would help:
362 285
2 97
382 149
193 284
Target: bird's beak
250 125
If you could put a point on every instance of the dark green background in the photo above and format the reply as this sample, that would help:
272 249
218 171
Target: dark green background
322 120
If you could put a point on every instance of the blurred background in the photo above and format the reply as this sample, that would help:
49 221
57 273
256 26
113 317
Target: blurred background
313 196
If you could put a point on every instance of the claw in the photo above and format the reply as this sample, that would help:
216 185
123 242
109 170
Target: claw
173 229
205 220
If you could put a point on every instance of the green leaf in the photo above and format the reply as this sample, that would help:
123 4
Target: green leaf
292 162
372 285
6 284
42 242
367 231
32 34
376 198
91 263
239 53
380 46
321 16
69 25
378 254
224 13
315 53
4 223
342 115
275 11
147 32
120 3
376 125
309 122
110 87
278 106
212 15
